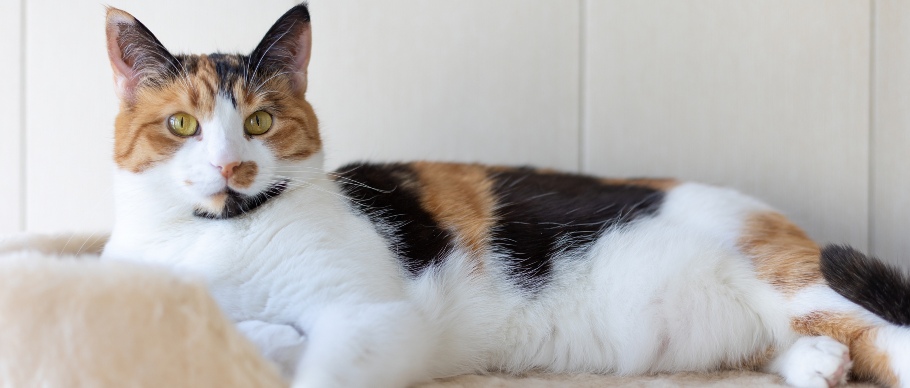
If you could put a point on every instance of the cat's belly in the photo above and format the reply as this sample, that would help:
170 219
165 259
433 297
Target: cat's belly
651 312
670 293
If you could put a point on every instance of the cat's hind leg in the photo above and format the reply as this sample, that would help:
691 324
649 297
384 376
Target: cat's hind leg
879 351
864 304
835 293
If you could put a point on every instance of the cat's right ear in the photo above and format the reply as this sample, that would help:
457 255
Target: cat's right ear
135 54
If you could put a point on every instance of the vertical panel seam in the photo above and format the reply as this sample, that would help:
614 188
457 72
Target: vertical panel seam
22 111
870 201
582 78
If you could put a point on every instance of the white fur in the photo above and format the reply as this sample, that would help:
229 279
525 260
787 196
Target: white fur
282 344
895 342
822 298
221 141
669 293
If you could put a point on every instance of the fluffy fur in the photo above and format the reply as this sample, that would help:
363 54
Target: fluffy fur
76 322
385 275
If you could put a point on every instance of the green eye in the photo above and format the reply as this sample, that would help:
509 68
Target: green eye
258 123
182 124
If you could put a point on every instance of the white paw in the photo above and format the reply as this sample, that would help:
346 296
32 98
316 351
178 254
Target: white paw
815 362
282 344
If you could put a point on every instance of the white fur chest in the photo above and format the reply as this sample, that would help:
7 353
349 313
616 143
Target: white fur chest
291 256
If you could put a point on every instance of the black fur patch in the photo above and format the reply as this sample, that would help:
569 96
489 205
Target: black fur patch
231 69
868 282
189 64
386 194
544 216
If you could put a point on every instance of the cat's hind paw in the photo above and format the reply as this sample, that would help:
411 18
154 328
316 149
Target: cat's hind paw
815 362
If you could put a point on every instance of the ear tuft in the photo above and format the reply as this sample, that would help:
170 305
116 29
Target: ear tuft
285 48
135 54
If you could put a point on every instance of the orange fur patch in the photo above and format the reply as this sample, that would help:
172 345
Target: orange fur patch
216 203
244 174
782 253
141 136
459 196
868 361
295 129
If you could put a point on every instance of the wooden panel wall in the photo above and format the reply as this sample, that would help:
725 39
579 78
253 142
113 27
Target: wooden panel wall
476 80
890 226
770 97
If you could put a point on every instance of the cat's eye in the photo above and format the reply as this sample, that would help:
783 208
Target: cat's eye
182 124
258 123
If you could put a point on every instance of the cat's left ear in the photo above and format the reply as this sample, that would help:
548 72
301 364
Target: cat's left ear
285 48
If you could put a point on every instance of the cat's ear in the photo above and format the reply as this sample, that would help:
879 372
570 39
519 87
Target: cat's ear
285 48
135 54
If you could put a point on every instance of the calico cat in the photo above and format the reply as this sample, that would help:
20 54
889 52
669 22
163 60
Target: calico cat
383 275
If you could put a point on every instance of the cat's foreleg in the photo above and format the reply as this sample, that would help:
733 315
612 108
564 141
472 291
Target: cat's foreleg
282 344
374 345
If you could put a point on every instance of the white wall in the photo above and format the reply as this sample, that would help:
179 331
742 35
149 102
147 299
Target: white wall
800 103
11 141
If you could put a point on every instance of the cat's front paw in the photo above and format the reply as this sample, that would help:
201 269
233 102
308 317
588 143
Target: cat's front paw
281 344
816 362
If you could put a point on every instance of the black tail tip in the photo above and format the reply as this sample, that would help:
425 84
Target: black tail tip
878 287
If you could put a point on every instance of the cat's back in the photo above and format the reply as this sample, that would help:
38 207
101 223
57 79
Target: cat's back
524 216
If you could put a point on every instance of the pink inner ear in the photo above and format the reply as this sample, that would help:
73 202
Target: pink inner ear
301 61
116 57
304 46
124 75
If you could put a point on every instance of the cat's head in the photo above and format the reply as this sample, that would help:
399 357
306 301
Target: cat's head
218 130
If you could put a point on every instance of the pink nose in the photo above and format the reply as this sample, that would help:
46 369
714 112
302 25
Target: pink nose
228 169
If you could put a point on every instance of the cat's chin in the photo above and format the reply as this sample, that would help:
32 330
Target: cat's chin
214 204
230 204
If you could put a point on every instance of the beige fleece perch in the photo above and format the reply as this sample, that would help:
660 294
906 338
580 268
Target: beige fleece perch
68 319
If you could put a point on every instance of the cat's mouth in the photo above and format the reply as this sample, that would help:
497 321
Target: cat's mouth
230 204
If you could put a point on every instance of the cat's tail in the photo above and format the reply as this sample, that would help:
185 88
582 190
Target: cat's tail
867 281
865 305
